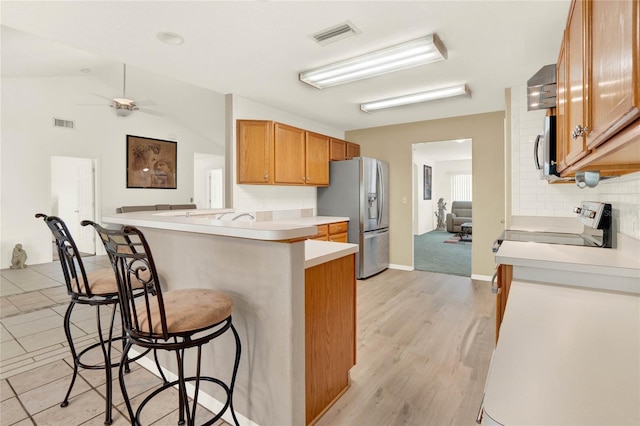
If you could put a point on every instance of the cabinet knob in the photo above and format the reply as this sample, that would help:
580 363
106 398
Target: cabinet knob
266 176
579 131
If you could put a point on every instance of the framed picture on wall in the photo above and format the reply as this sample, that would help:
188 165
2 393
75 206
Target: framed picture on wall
427 182
151 163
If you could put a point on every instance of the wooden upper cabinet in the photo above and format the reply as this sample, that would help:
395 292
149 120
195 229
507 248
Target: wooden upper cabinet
615 75
317 159
353 150
561 110
575 147
599 83
289 155
254 147
338 150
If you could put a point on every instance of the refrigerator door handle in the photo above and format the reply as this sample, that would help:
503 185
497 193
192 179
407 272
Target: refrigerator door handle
380 190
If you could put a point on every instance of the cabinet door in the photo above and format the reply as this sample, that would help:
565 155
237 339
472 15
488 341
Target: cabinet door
504 276
562 125
254 148
337 150
317 159
575 146
353 150
615 87
289 155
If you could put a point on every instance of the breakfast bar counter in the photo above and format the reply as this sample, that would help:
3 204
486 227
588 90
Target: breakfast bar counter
261 265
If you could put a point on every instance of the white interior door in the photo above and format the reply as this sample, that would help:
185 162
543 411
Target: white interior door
72 194
216 188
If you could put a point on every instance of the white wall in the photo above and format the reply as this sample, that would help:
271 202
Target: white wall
29 140
532 196
261 197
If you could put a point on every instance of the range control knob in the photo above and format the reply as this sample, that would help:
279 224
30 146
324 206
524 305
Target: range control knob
577 210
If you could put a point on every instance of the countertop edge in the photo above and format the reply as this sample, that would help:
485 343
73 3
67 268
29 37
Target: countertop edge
319 252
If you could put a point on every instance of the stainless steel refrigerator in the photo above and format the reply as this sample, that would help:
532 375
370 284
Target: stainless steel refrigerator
359 189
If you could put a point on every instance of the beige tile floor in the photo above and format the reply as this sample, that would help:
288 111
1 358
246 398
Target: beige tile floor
36 365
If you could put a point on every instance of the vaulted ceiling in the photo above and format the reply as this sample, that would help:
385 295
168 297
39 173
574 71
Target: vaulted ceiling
255 49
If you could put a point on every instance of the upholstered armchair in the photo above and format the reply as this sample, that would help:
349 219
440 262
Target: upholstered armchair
460 213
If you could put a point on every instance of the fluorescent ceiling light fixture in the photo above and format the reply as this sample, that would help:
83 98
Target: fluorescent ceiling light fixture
406 55
446 92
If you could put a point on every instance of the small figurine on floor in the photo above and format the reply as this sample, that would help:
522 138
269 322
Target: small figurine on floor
442 207
19 258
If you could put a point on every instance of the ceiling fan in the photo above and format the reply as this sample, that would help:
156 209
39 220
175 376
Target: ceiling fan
125 106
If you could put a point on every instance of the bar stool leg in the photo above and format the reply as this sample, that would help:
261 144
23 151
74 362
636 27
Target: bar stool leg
67 332
106 352
123 388
235 371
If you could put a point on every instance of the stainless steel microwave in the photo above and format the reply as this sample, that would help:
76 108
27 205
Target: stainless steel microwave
545 153
544 150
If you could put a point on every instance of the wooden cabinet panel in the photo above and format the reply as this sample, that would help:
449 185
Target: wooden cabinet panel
339 238
253 150
561 110
330 332
353 150
317 159
338 150
289 154
338 227
504 277
614 96
575 147
599 89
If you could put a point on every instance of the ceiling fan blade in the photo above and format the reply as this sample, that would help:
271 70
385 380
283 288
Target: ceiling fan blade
150 111
146 103
102 96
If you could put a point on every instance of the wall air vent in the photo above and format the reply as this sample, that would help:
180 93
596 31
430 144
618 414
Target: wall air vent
68 124
338 32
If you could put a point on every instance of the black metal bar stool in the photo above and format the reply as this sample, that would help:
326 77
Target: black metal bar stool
97 288
173 321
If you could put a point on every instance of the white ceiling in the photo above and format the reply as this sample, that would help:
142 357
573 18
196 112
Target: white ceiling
256 48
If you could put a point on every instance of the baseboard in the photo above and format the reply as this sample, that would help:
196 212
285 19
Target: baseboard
204 399
400 267
481 277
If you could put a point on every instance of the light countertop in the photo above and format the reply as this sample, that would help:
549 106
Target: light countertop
579 363
617 262
318 252
203 224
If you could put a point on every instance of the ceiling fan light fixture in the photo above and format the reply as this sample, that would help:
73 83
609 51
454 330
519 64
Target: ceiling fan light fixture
170 38
413 98
416 52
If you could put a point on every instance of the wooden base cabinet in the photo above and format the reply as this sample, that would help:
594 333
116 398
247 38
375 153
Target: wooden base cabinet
330 333
504 277
336 232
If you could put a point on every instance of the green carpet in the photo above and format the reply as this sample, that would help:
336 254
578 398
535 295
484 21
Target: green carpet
432 254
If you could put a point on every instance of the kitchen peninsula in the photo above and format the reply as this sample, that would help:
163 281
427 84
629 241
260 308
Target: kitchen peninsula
262 265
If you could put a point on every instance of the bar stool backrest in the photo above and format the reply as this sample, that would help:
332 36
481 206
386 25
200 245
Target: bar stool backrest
75 276
135 269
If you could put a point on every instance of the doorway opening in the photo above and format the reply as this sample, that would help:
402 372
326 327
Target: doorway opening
208 181
73 188
442 175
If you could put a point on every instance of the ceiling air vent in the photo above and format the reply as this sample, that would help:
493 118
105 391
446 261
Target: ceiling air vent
68 124
338 32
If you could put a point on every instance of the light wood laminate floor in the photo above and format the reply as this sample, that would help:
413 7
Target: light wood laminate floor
424 344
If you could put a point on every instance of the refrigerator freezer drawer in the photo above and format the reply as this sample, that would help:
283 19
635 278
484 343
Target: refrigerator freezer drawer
374 253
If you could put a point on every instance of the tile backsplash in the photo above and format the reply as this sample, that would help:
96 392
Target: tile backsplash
532 196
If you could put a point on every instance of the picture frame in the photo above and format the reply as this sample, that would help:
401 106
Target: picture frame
151 163
427 182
